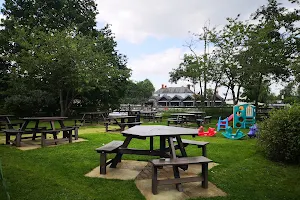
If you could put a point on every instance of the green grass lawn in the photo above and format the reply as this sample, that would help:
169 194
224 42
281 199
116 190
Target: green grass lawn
58 172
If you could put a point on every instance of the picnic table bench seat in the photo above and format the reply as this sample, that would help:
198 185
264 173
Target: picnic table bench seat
207 119
199 144
158 163
129 124
199 121
175 121
44 136
111 147
67 132
17 133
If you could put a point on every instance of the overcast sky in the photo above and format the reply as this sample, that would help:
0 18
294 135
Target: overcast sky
152 33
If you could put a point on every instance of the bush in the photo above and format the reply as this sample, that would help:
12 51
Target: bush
33 102
280 135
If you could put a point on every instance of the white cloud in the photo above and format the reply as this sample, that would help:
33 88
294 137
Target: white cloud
156 67
135 20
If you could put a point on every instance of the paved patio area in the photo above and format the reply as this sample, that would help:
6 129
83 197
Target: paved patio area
141 172
36 144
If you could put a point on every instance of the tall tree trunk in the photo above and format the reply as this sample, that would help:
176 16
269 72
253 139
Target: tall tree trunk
61 102
200 84
238 94
215 93
226 94
233 94
205 64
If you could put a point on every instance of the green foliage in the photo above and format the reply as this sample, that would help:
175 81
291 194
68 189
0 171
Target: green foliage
139 92
31 103
50 15
53 46
67 65
279 136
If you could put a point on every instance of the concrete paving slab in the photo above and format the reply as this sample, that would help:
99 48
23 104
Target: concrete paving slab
36 144
190 190
141 172
126 170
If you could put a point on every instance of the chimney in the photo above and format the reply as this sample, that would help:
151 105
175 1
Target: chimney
162 86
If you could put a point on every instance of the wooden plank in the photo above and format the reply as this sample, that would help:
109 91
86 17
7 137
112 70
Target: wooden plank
141 152
110 146
193 142
180 180
180 161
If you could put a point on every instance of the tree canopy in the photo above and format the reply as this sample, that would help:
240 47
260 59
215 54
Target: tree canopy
248 56
54 47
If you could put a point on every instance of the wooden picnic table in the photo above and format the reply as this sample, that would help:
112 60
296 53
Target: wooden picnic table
187 117
149 115
165 133
4 120
37 129
91 117
122 121
37 120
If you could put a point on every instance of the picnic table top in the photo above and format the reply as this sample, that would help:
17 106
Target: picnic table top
148 111
44 118
120 116
196 112
93 113
159 130
6 115
182 114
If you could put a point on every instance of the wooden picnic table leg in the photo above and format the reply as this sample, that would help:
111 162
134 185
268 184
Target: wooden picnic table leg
8 122
7 138
35 129
24 125
65 133
118 157
18 139
175 168
182 151
162 147
151 143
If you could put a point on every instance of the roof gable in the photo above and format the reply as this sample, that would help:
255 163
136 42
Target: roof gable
176 98
173 90
189 98
164 98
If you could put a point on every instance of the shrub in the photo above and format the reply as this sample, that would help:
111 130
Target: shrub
280 135
30 104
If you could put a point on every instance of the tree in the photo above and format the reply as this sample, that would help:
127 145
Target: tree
228 44
64 64
270 46
50 15
139 92
250 92
190 70
53 46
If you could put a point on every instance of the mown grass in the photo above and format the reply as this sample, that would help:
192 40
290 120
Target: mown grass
58 172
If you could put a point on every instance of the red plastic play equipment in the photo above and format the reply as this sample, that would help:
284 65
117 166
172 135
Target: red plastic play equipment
210 133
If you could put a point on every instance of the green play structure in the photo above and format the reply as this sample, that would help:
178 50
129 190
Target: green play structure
244 116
